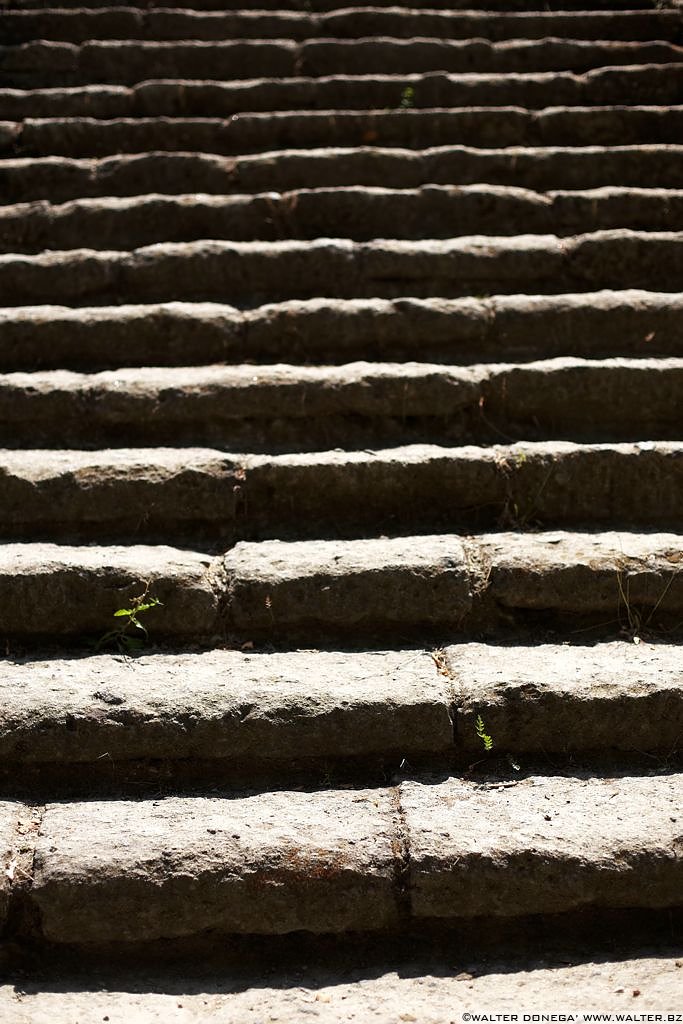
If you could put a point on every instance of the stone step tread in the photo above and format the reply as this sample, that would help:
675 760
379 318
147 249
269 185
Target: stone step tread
349 859
208 496
503 328
639 982
309 6
286 589
497 126
232 711
84 24
170 97
62 179
46 63
355 590
225 705
307 406
259 272
535 699
361 213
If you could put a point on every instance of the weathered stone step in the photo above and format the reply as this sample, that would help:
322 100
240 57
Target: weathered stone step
416 129
613 696
355 405
360 213
44 63
208 498
503 328
641 83
64 178
353 591
257 272
78 590
407 586
379 986
240 710
308 6
229 711
349 860
81 25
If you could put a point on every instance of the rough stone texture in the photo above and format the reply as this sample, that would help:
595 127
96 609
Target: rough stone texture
46 63
543 845
241 406
619 696
50 590
223 704
258 132
129 174
432 992
360 213
633 576
347 585
272 271
16 838
202 496
502 328
645 83
283 406
117 23
272 863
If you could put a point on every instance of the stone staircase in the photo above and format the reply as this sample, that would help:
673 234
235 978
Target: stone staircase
341 354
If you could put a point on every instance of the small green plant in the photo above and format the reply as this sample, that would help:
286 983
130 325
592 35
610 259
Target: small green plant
482 734
120 637
407 98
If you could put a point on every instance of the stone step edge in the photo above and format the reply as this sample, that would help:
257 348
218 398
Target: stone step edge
253 133
341 268
82 25
218 498
598 324
64 179
224 713
445 585
339 861
363 213
173 97
355 405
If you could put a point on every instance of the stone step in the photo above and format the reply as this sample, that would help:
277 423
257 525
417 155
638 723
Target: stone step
503 328
641 83
285 407
225 709
370 590
44 63
258 272
231 712
79 589
347 860
203 497
360 213
116 22
612 696
415 129
640 980
64 178
308 6
497 584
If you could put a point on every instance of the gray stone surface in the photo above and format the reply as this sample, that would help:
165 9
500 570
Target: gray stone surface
52 590
245 707
278 587
543 845
630 575
272 863
620 696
